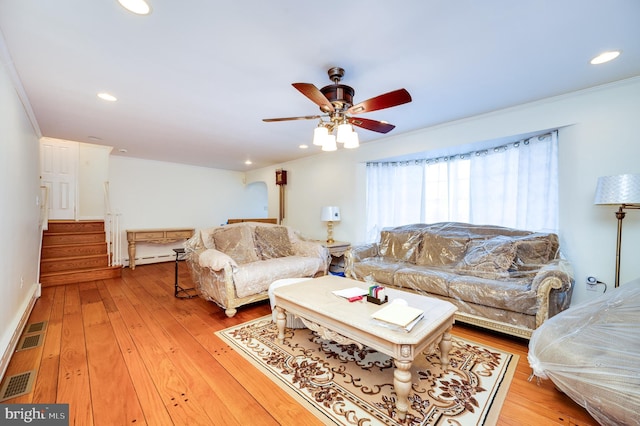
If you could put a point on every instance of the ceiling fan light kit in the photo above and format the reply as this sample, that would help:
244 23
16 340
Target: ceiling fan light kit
336 104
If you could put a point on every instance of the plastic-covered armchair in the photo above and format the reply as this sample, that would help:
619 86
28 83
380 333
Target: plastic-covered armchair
591 352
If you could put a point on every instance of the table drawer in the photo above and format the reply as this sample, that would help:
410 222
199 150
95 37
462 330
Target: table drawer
139 236
179 234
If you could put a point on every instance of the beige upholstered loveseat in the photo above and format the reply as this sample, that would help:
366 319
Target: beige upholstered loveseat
233 265
503 279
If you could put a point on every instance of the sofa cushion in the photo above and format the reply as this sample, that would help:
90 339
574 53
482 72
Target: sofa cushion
273 242
535 250
441 249
255 278
236 242
400 243
490 258
424 279
376 270
507 295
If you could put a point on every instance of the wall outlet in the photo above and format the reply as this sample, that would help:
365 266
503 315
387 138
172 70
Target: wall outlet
21 282
592 283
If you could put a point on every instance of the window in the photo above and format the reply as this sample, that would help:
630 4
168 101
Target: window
513 185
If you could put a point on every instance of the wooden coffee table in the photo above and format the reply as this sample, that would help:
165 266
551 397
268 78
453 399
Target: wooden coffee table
344 322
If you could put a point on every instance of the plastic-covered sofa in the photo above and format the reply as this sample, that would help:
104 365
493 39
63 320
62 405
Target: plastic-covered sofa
233 265
503 279
591 352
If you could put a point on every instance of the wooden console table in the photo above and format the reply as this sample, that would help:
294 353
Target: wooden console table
155 236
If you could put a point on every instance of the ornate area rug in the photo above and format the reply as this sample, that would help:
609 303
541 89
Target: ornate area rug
344 385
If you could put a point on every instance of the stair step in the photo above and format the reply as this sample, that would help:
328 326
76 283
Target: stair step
55 226
63 278
74 263
60 238
73 250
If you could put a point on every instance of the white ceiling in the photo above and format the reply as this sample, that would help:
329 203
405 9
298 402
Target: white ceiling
195 78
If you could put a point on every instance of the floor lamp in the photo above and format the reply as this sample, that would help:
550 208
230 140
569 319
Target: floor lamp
624 191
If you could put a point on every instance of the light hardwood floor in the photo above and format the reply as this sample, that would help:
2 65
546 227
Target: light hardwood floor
125 351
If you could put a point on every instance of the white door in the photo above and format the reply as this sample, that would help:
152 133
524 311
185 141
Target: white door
58 170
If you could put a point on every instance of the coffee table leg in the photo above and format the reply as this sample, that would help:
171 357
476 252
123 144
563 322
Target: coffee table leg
445 347
281 321
402 386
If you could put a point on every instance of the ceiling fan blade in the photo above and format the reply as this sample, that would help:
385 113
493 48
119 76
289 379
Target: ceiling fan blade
387 100
374 125
306 117
313 93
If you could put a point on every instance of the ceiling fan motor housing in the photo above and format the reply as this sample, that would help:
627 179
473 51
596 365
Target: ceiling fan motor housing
340 95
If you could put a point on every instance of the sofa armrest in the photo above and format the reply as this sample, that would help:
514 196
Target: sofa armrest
356 254
362 251
556 275
215 260
309 249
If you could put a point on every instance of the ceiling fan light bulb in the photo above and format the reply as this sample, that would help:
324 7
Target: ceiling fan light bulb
320 133
353 141
344 130
329 143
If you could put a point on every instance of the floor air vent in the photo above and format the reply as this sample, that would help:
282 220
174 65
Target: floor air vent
36 327
16 385
30 341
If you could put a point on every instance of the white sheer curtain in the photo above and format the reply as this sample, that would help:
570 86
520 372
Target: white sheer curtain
514 185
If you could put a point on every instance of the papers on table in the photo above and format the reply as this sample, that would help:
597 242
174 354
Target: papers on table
348 293
399 314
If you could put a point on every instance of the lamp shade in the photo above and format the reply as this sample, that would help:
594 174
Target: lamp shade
330 214
620 189
329 143
319 135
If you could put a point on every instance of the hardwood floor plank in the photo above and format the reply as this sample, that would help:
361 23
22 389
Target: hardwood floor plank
174 391
195 364
46 387
73 377
173 317
108 373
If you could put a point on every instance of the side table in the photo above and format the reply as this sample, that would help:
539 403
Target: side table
181 292
336 250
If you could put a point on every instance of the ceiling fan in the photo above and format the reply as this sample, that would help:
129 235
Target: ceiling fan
336 103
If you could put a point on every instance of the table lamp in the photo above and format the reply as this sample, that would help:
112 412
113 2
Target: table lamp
622 190
330 214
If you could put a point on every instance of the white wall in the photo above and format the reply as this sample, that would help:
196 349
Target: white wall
599 135
19 212
155 194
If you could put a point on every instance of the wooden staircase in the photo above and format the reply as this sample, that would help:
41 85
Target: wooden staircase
74 252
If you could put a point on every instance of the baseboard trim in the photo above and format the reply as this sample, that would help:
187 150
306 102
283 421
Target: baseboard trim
9 344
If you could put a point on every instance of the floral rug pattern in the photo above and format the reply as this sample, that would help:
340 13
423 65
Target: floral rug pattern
345 385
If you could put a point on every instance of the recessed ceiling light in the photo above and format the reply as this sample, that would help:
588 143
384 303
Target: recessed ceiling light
303 146
122 150
107 97
94 138
139 7
605 57
248 162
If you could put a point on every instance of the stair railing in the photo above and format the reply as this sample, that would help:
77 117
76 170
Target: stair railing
112 230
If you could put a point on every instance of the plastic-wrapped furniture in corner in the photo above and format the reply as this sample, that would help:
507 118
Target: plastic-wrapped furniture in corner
591 352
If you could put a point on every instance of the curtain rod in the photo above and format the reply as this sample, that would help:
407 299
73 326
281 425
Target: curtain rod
462 156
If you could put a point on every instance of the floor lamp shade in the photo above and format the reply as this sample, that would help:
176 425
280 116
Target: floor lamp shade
620 189
623 191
